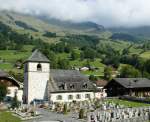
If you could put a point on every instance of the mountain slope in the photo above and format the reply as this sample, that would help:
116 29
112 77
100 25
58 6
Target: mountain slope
143 31
86 26
36 24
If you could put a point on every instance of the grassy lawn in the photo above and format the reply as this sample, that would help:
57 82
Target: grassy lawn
117 45
12 55
5 66
127 103
99 72
135 50
7 117
145 55
97 63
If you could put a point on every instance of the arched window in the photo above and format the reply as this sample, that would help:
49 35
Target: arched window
78 96
59 97
39 67
87 96
70 97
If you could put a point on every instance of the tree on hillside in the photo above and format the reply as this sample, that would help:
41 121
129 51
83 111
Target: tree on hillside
125 51
108 73
89 53
112 60
51 56
87 63
93 78
129 71
147 66
82 56
3 92
63 64
74 55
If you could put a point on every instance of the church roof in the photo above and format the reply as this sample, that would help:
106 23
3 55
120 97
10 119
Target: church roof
37 56
69 81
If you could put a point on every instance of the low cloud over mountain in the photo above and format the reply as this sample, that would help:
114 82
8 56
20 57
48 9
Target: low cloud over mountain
127 13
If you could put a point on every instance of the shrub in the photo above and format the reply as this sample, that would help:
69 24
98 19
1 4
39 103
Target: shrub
81 114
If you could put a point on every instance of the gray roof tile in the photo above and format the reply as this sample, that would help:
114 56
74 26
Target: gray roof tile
133 82
37 56
68 78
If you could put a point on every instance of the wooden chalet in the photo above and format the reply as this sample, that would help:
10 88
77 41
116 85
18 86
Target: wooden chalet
137 87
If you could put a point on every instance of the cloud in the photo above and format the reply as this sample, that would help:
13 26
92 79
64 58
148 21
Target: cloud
125 13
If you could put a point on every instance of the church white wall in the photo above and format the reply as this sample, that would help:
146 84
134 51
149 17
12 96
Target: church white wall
74 94
25 88
32 67
36 81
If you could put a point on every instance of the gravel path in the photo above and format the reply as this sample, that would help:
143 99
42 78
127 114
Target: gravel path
48 116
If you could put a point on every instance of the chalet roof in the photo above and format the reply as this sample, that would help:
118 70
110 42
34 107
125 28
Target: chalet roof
67 78
37 56
133 82
3 74
12 79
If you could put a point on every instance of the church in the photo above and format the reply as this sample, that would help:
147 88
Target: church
55 85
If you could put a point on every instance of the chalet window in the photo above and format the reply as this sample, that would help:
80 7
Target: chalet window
84 85
78 96
87 96
70 97
39 67
59 97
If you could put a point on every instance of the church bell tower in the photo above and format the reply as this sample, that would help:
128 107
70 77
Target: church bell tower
36 76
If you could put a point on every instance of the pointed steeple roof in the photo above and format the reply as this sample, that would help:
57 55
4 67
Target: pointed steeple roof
37 56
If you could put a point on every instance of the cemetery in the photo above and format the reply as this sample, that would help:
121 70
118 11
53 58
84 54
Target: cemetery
115 112
104 110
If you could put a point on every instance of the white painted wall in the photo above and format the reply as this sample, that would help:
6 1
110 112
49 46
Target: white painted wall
36 81
65 96
101 94
19 95
12 90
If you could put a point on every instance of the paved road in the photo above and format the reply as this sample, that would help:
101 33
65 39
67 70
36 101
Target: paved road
48 116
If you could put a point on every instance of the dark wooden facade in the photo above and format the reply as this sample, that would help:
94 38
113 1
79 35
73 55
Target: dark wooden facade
113 88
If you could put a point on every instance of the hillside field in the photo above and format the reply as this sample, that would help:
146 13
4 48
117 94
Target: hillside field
9 57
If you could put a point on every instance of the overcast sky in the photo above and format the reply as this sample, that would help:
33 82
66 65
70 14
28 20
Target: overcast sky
125 13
